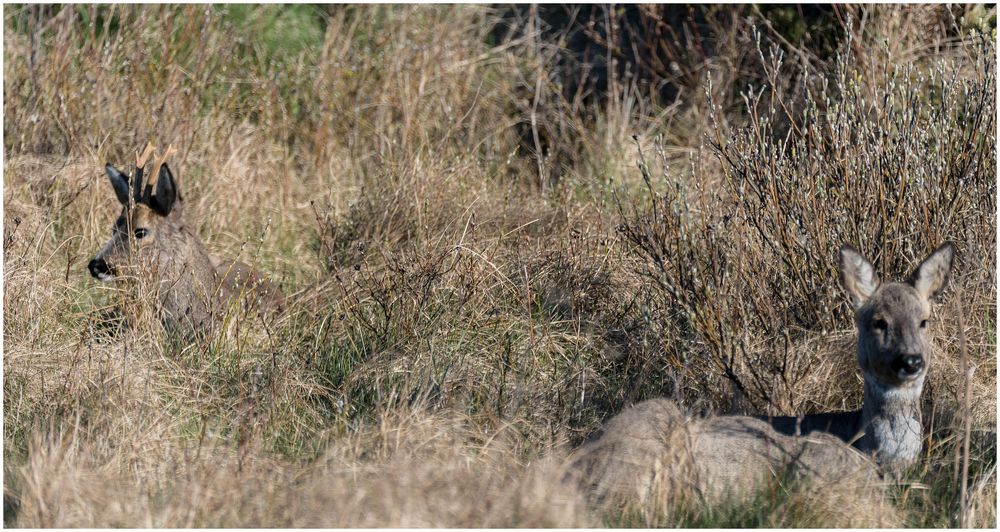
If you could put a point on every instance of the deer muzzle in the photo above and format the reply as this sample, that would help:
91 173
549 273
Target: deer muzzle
907 366
100 270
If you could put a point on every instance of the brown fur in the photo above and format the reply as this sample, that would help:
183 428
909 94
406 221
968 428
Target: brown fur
651 456
238 276
194 290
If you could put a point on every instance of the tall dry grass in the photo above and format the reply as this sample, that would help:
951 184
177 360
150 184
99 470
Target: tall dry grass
468 302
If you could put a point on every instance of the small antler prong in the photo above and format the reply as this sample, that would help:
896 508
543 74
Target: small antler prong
155 175
140 160
140 163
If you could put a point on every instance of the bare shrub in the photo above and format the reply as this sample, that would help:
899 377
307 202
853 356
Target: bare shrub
895 161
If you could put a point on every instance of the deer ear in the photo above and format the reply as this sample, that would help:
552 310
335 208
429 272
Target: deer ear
119 181
165 196
931 276
858 276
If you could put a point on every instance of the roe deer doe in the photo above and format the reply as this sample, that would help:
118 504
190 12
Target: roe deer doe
651 451
893 353
151 237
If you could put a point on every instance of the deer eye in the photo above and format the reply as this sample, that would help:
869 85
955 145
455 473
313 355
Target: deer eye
880 325
923 324
141 233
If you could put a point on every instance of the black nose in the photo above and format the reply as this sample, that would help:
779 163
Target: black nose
908 364
98 268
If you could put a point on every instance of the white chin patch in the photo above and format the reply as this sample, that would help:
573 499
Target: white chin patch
105 277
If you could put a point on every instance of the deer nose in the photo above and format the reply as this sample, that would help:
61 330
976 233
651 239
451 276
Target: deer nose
908 364
99 269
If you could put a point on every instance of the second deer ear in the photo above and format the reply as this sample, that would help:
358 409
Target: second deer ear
165 196
119 181
858 276
931 276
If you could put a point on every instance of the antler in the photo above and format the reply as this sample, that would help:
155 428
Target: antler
140 163
140 160
157 164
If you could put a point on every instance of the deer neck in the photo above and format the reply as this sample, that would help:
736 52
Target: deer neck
890 419
187 282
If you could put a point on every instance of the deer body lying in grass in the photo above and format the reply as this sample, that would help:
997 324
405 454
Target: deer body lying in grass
152 238
651 451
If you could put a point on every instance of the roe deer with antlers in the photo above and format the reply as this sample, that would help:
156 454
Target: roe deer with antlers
151 237
652 450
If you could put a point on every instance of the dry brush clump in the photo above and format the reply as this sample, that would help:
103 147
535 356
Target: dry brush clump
870 159
545 338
